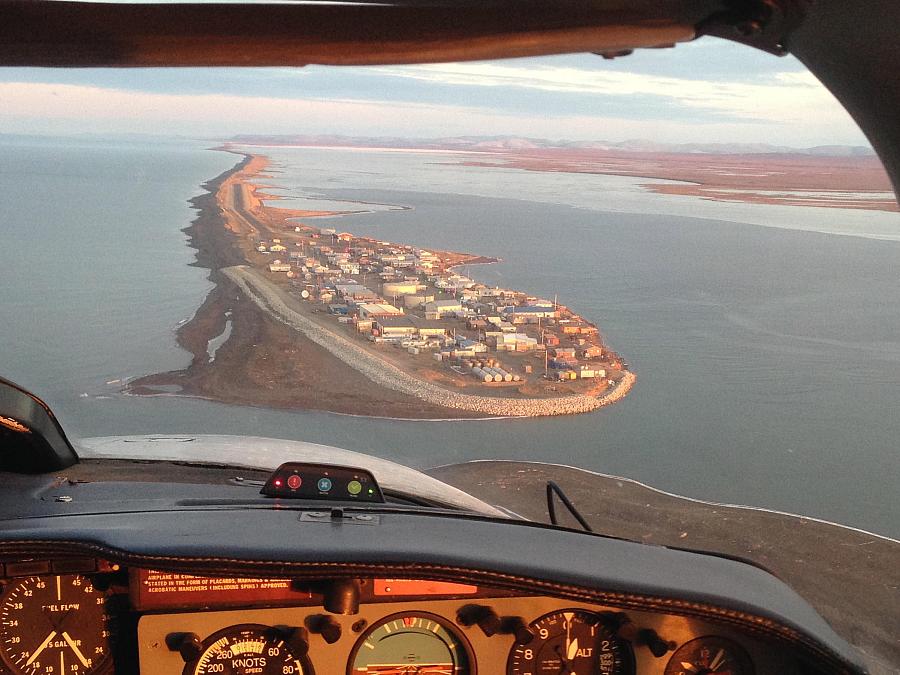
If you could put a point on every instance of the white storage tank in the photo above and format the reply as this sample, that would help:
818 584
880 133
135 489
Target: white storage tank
393 288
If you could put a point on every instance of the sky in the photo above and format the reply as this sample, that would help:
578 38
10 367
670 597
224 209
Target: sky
708 91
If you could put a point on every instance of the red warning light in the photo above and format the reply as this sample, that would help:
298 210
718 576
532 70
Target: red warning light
294 481
277 482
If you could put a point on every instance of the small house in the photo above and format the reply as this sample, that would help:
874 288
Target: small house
592 352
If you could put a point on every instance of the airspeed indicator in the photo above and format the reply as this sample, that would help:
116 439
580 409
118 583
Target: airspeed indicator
245 650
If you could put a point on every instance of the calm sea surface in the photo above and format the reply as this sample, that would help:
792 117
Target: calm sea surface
766 340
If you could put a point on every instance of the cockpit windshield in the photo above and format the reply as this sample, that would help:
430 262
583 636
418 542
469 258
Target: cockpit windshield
678 267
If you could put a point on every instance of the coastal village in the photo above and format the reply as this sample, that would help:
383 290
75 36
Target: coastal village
313 317
413 304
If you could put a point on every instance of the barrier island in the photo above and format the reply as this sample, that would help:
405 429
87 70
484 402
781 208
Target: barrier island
303 315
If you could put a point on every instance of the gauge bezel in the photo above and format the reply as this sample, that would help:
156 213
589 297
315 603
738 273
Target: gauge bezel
104 665
627 665
190 668
749 668
446 623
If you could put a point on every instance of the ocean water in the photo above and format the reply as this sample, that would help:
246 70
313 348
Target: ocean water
766 339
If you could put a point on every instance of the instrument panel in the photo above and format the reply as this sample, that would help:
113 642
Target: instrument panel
427 638
108 619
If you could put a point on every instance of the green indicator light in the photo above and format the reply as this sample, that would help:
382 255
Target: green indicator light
371 491
354 487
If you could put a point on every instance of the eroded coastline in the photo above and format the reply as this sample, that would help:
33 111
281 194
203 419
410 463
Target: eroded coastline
274 350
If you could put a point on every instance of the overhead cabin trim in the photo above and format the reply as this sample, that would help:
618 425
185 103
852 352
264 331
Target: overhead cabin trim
84 34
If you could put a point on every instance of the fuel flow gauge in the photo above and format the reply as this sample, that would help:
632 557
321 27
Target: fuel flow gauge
54 625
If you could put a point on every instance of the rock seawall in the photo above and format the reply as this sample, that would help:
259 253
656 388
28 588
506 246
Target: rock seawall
268 298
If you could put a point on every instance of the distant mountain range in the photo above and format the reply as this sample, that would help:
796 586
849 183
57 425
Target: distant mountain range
513 143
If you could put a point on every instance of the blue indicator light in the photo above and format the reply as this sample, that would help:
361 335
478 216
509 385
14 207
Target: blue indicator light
324 484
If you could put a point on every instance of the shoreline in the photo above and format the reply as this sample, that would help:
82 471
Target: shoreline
165 394
391 377
285 357
855 182
787 180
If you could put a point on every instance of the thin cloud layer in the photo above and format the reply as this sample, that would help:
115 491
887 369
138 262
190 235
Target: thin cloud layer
788 97
558 98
